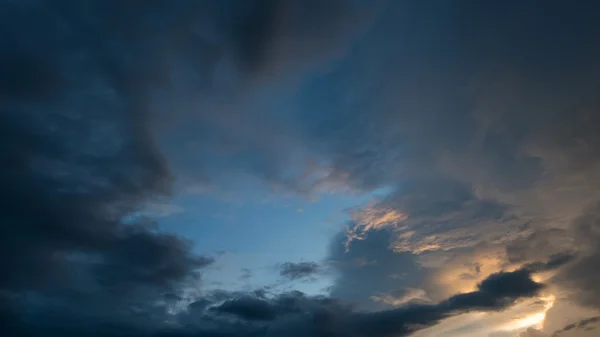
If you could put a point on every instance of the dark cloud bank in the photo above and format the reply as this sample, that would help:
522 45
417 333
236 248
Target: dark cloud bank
84 84
289 314
80 82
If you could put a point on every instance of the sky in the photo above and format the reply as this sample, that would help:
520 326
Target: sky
299 168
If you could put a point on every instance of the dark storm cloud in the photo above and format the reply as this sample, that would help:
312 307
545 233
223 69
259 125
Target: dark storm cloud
298 314
299 270
83 85
78 157
295 314
496 289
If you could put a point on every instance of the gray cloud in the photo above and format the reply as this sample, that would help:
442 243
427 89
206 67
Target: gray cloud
239 314
248 308
217 106
300 270
484 115
444 215
370 268
580 328
274 37
499 114
320 316
78 158
584 324
85 88
581 277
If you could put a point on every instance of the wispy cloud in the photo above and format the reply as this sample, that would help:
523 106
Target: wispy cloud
300 270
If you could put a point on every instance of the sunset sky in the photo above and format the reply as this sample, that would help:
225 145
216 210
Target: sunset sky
300 168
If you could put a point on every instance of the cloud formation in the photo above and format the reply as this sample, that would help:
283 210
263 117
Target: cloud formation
85 89
480 118
584 324
300 270
297 314
582 328
437 215
370 261
78 160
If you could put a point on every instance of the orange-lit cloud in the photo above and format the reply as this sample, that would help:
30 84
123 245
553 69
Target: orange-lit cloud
372 218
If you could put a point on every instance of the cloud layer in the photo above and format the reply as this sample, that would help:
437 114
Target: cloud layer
481 119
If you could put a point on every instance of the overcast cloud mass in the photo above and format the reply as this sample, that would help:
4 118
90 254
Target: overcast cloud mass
277 168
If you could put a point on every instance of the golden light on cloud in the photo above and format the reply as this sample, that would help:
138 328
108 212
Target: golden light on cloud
411 294
529 313
535 320
372 218
460 273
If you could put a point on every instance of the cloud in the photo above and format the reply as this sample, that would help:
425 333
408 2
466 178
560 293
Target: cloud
222 59
273 37
580 328
248 308
79 158
484 147
196 70
583 324
87 90
319 315
162 209
552 263
246 274
370 268
235 314
497 288
371 218
408 295
437 215
300 270
579 277
492 294
481 118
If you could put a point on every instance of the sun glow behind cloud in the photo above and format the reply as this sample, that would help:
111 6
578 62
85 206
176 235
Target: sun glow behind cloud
526 314
535 320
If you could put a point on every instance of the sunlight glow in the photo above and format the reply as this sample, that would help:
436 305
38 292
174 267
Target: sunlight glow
535 320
